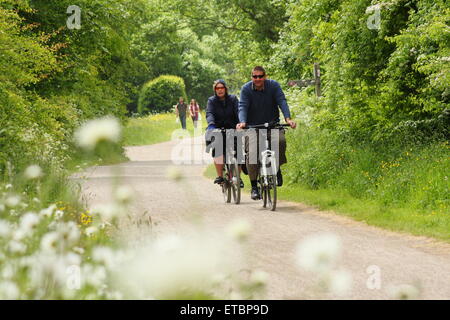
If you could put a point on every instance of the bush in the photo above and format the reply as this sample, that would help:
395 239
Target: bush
159 94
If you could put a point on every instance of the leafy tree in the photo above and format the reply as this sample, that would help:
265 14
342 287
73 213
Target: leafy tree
158 95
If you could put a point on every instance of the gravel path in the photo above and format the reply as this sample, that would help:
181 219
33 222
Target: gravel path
367 251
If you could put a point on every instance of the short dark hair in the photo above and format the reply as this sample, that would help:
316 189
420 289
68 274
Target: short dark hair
259 68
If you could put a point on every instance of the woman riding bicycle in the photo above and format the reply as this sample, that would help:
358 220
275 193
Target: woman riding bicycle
221 112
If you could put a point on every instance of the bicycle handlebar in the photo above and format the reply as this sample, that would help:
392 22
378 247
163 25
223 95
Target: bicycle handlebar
268 126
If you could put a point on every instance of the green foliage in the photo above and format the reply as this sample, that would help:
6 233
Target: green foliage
30 126
100 72
394 172
373 80
168 45
52 78
160 94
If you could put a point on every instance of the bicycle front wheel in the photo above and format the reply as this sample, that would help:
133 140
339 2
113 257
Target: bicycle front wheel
271 192
235 183
226 187
226 192
263 190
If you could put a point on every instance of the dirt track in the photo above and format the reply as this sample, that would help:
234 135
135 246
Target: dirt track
401 259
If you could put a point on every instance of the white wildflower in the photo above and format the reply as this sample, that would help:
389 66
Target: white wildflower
218 278
53 224
50 241
104 225
95 131
115 295
15 246
68 232
12 201
404 292
9 291
59 214
93 275
5 229
29 221
72 259
167 244
239 229
33 172
20 234
90 231
235 296
174 173
319 252
103 255
78 250
259 278
339 282
8 272
106 211
47 264
48 212
8 186
173 266
124 194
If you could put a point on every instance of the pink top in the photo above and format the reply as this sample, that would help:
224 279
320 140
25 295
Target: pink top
194 108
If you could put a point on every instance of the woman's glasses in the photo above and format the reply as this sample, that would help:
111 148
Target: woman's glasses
217 88
259 76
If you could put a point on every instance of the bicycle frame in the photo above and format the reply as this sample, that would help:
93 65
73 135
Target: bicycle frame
268 167
266 157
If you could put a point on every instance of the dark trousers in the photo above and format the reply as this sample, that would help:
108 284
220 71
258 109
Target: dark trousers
253 145
183 120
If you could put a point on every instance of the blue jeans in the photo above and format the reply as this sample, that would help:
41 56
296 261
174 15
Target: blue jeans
183 120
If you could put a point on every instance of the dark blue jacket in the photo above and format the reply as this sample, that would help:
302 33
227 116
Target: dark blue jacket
258 107
222 115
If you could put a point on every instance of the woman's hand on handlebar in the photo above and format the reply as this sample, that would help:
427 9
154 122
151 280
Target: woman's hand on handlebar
241 125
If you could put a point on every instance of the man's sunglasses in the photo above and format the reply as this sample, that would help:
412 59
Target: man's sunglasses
259 76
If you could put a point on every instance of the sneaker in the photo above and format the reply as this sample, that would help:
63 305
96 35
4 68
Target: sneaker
219 180
255 194
241 184
279 178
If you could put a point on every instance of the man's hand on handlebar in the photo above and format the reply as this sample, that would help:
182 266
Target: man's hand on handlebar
241 125
291 123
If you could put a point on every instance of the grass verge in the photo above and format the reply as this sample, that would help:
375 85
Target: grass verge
155 128
433 224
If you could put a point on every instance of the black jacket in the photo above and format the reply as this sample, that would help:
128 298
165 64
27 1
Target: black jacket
222 115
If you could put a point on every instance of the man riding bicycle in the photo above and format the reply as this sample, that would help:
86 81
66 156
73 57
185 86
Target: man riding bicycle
221 112
259 103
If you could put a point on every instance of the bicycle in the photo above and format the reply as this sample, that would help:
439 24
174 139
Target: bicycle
267 167
231 187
